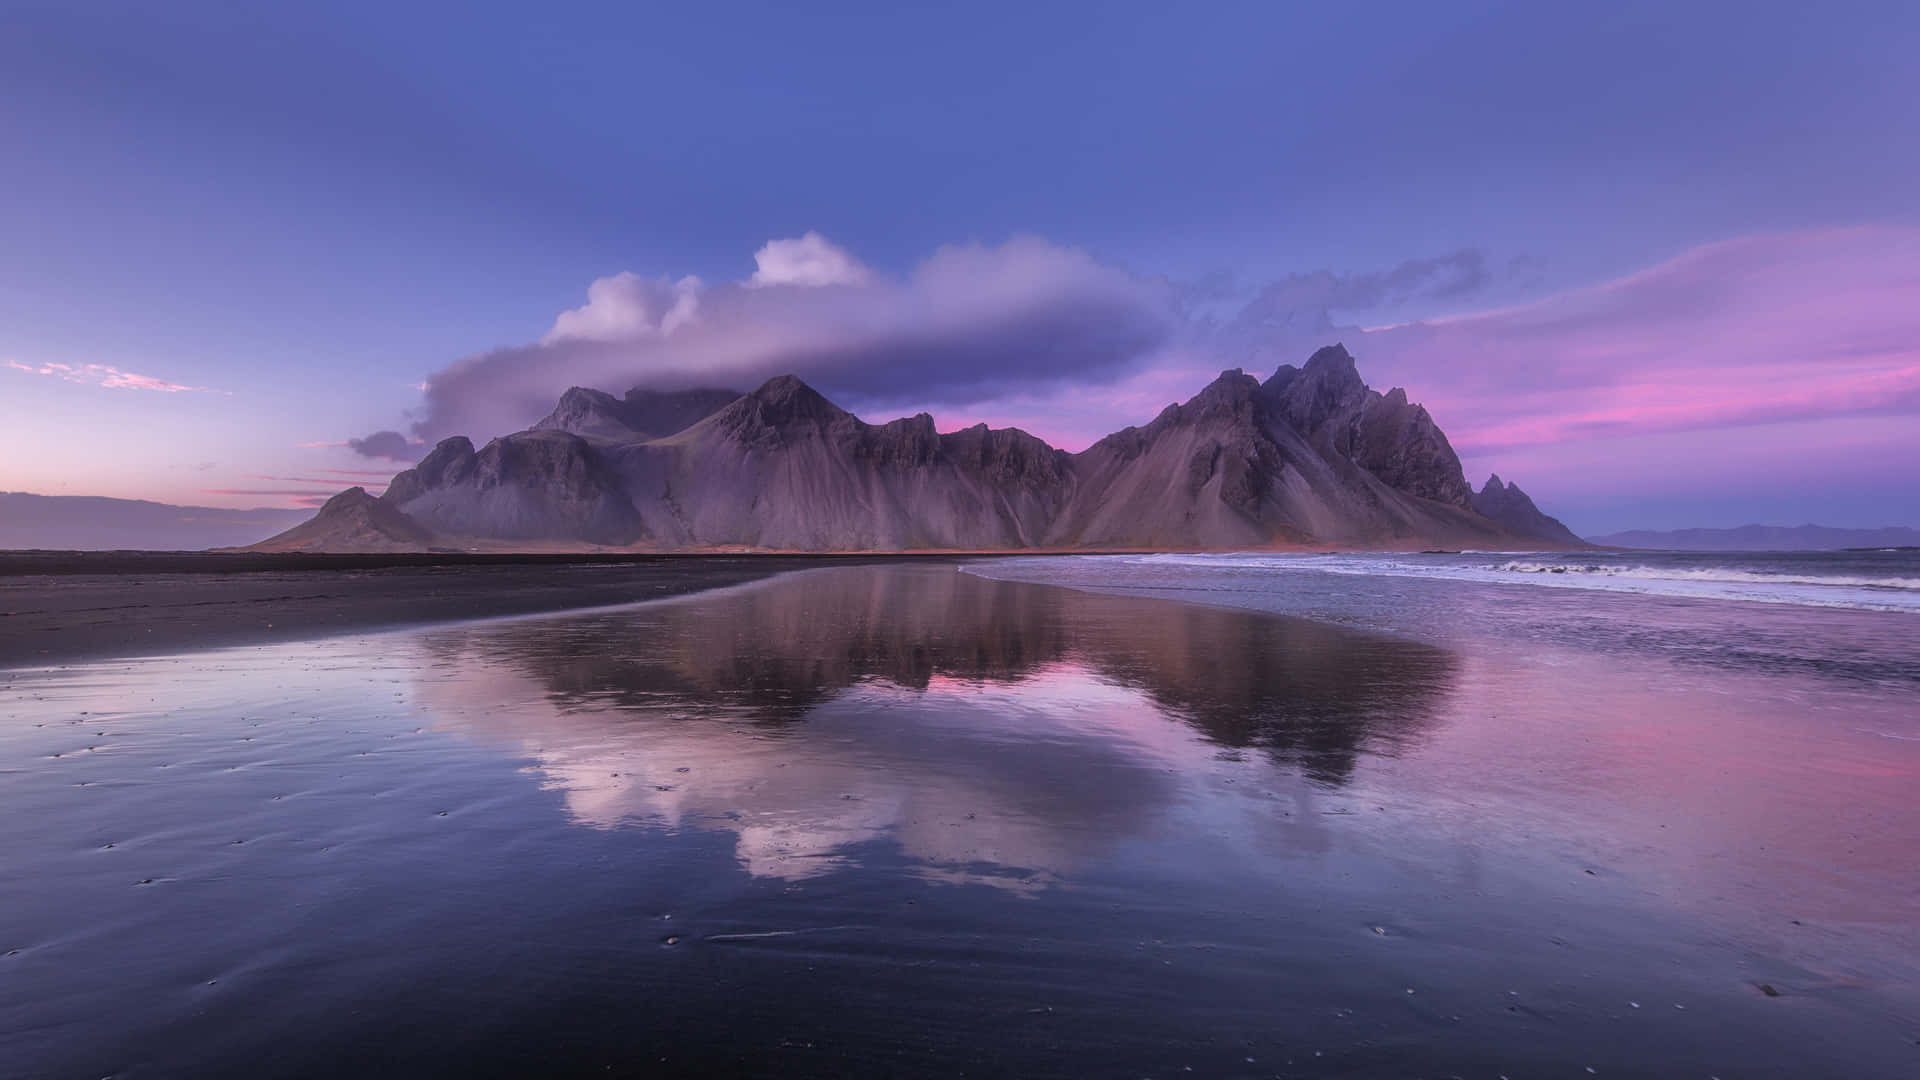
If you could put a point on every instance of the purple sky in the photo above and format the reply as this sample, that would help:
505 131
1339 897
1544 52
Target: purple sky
1661 267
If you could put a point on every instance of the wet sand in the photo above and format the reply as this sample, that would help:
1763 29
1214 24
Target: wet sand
59 606
903 820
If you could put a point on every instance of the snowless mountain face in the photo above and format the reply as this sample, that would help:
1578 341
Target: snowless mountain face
1309 457
1509 506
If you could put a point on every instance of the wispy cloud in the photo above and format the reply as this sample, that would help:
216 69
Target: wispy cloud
330 476
1758 330
1682 404
1307 299
107 376
306 497
263 491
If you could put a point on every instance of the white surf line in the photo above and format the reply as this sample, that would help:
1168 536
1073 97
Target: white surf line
752 935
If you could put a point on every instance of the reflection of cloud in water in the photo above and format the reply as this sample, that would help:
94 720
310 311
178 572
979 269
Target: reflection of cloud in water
993 731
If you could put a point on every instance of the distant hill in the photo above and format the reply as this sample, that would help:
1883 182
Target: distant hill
1311 457
96 523
1762 538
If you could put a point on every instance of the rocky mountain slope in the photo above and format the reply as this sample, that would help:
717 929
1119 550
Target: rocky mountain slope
353 521
1310 457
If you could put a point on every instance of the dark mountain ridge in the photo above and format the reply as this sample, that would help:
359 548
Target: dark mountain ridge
1310 457
1508 505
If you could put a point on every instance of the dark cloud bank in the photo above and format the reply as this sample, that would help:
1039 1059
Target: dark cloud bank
389 445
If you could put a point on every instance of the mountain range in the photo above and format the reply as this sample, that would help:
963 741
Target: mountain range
1309 457
1762 538
98 523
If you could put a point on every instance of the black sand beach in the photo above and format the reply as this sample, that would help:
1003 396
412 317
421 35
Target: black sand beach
903 819
58 606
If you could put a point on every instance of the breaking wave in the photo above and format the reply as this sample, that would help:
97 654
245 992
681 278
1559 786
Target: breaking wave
1747 577
1860 582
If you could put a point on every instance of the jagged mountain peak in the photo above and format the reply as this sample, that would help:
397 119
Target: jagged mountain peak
1231 388
1233 391
1331 359
786 388
1327 362
1512 508
775 413
587 395
1326 389
1495 488
1311 456
783 401
586 411
1233 381
1232 398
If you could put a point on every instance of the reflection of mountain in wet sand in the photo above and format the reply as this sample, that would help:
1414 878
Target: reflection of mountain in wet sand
993 730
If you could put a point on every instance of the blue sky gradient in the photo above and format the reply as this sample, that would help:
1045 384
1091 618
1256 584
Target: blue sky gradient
310 210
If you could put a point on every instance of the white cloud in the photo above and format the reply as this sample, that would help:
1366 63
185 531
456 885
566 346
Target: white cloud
811 260
627 306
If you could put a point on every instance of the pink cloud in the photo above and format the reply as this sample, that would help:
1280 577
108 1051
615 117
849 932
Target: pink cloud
1684 404
104 375
1758 330
264 491
358 476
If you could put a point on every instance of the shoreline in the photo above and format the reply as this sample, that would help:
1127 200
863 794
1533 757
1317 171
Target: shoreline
63 606
17 561
72 606
122 605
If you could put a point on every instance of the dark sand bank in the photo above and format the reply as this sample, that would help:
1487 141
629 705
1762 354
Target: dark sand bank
59 606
